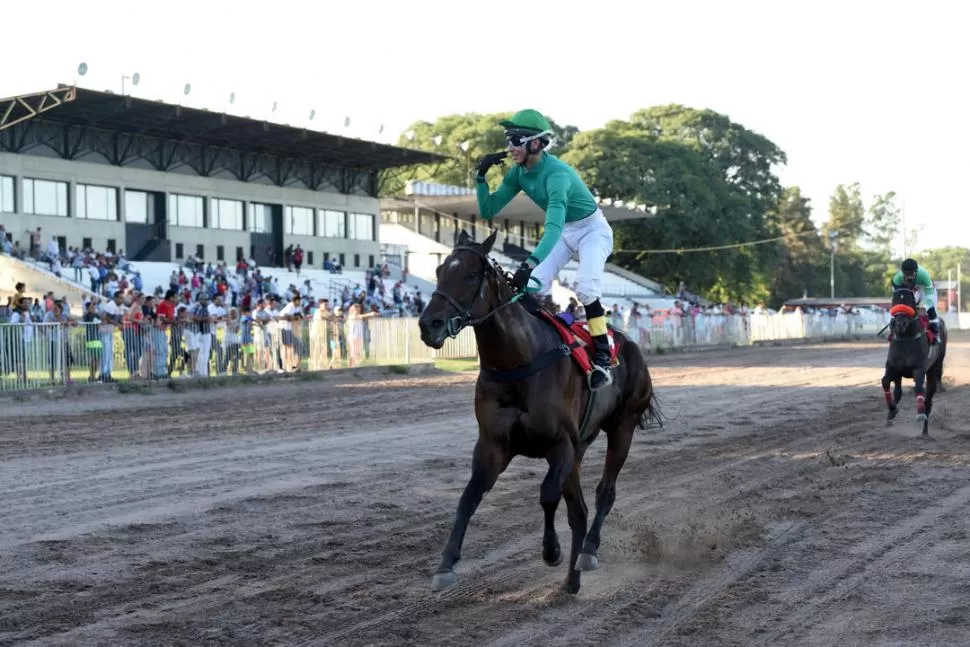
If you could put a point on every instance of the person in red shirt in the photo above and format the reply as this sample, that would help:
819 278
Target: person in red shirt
164 317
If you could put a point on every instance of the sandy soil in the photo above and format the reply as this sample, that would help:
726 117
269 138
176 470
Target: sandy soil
775 508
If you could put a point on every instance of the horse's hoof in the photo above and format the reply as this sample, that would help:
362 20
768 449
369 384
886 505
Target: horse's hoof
570 587
921 417
442 581
554 559
587 562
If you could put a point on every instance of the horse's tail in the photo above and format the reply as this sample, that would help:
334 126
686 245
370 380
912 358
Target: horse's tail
639 392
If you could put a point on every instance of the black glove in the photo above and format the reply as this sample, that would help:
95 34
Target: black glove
521 277
488 161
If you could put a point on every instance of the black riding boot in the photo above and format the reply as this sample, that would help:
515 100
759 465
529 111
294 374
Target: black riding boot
935 327
601 376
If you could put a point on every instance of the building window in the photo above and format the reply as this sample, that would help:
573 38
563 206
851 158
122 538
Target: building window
239 254
220 253
85 243
62 242
6 194
260 218
136 207
111 245
200 252
370 261
343 260
361 226
95 202
356 260
332 224
298 221
226 214
45 197
179 251
186 210
309 258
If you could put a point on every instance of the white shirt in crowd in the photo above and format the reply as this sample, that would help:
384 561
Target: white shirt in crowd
218 311
288 310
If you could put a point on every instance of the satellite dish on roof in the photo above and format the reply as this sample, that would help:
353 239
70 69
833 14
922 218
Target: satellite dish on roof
232 97
135 78
187 88
82 69
346 122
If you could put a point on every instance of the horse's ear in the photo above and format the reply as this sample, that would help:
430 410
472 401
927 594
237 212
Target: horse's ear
462 238
488 242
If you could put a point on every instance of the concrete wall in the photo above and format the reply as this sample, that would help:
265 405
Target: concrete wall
50 168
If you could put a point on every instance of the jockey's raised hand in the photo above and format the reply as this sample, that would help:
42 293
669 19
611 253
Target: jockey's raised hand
488 161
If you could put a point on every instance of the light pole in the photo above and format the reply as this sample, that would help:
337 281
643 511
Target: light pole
833 246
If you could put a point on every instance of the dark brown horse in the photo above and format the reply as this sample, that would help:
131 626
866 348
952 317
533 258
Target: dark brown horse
912 356
530 399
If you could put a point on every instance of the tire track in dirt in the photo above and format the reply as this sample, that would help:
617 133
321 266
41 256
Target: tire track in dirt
893 546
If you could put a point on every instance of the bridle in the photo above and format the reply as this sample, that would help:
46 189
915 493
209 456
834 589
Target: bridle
463 318
910 319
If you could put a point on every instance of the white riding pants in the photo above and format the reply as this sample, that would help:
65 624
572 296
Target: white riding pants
591 240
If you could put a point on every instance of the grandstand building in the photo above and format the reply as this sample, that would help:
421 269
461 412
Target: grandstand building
162 182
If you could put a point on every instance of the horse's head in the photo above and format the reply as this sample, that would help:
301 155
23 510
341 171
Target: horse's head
467 291
903 310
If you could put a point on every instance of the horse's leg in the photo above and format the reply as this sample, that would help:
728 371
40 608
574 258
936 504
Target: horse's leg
919 377
932 382
887 380
488 461
560 460
572 492
618 442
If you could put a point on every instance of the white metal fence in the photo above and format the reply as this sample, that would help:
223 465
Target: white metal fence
36 355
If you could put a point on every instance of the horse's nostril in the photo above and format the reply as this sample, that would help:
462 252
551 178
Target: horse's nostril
437 323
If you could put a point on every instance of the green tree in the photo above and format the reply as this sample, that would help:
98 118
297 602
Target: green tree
882 223
743 158
695 206
801 259
846 216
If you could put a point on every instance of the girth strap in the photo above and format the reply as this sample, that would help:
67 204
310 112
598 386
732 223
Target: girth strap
541 362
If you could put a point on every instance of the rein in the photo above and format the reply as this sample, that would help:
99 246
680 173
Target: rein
464 318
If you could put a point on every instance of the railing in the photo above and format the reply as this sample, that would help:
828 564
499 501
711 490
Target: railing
51 354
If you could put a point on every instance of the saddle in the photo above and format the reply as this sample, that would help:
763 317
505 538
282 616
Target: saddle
571 332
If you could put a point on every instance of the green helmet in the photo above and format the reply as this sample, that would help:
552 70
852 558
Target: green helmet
527 122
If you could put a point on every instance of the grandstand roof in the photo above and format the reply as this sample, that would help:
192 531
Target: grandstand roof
124 113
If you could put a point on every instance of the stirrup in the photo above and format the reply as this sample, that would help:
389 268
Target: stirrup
599 369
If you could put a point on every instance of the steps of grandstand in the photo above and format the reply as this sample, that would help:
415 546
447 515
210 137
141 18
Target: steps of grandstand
40 280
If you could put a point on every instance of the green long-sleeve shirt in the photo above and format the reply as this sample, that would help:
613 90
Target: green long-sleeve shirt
554 186
923 283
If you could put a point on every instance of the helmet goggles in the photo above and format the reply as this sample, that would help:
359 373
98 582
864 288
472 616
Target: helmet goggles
519 139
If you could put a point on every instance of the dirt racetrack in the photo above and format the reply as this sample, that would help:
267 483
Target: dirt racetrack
775 508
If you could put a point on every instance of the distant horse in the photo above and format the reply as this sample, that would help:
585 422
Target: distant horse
912 356
532 400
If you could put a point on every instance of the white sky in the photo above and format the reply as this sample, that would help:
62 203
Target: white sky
866 91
